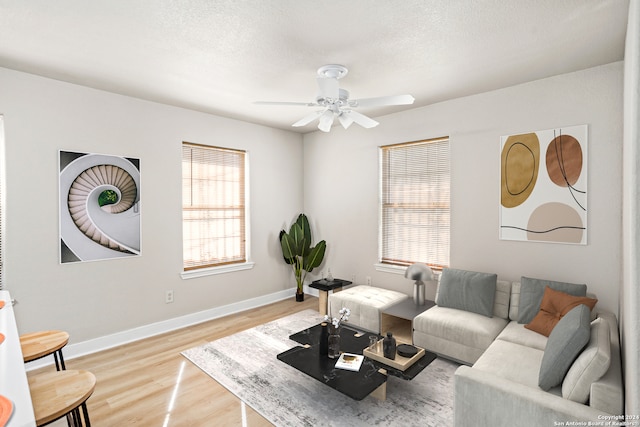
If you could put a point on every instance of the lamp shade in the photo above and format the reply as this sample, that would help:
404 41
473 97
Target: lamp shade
419 272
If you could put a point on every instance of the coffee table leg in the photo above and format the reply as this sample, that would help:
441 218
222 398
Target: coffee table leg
381 392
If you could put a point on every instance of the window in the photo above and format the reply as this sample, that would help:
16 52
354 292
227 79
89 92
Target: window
213 206
414 203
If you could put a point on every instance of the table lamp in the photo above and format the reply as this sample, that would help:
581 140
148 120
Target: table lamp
420 273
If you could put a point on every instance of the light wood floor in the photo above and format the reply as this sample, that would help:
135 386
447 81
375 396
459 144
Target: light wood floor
148 383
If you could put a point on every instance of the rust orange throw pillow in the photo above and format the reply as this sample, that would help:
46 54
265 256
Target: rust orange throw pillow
554 306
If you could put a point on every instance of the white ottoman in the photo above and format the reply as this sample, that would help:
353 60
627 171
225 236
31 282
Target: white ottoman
366 303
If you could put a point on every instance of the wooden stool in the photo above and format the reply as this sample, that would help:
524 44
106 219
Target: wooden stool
40 344
56 394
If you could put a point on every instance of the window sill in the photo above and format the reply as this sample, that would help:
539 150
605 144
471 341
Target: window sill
192 274
388 268
397 269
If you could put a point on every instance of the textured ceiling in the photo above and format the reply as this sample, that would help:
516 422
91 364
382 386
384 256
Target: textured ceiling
220 56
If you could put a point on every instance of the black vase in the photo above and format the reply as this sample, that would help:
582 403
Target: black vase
389 346
299 296
324 339
334 342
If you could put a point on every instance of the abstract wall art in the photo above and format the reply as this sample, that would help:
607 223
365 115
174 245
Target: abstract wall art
99 207
543 186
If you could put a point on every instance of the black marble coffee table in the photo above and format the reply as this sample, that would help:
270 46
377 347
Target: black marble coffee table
370 379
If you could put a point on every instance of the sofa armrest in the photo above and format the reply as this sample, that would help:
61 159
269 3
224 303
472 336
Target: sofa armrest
483 398
607 393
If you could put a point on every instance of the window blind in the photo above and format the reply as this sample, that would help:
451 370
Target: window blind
213 206
414 203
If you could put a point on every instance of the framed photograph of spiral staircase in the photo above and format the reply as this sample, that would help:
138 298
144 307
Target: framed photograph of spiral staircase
99 204
543 186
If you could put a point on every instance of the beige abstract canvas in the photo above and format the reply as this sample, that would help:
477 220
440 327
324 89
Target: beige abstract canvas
543 186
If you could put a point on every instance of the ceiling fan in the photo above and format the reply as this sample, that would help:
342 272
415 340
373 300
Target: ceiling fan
335 102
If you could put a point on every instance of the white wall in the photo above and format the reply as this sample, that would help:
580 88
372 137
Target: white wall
340 192
341 182
94 299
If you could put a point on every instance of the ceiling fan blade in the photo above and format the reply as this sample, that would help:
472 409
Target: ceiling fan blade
308 119
326 120
304 104
345 120
382 100
329 88
361 119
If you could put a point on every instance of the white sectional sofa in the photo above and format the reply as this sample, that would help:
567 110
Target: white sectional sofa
502 385
512 375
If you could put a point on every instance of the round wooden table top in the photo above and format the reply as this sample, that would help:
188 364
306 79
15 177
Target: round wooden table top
39 344
56 393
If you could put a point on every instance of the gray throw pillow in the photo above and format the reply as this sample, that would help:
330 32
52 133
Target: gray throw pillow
467 290
566 341
532 290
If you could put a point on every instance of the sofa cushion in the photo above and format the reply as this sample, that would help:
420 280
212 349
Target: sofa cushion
514 302
516 333
499 360
565 342
590 365
502 304
532 290
502 299
554 305
461 335
467 290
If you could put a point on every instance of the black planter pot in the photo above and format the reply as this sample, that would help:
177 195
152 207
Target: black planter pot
299 296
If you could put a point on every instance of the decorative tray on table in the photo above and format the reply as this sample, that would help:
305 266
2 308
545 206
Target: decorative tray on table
400 362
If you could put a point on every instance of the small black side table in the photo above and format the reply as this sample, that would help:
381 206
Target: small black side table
324 286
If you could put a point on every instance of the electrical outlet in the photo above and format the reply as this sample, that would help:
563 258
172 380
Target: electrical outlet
168 297
368 280
353 279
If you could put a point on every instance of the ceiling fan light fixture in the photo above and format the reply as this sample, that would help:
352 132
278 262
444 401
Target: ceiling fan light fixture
326 120
332 71
341 98
335 101
308 119
345 119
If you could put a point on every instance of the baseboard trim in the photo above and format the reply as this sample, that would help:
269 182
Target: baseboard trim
106 342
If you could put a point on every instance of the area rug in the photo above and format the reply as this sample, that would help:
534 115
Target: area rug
245 363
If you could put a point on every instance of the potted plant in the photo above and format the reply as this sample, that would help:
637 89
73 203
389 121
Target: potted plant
298 252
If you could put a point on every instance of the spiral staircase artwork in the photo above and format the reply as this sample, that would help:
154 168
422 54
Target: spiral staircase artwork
99 207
